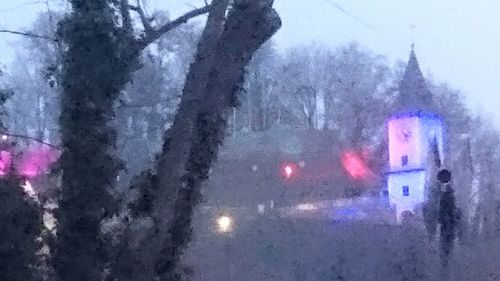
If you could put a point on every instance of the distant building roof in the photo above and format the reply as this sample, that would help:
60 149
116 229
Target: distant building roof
414 94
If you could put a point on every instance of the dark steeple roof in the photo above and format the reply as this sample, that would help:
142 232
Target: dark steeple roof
413 92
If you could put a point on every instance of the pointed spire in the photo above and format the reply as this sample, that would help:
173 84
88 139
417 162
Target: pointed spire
413 92
436 153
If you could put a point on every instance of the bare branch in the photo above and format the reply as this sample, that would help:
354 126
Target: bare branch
155 34
142 15
28 34
124 10
193 6
30 138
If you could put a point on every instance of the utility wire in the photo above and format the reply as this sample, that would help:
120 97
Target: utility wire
345 12
20 6
28 34
31 138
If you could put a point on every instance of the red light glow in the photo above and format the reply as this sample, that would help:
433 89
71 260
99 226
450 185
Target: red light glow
355 166
289 170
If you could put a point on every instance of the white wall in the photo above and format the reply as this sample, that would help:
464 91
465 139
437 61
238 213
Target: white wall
416 184
420 132
398 146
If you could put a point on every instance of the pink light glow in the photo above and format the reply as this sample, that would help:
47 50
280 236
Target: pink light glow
36 161
355 166
5 162
288 171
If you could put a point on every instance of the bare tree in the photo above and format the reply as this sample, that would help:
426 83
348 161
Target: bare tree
259 99
34 109
358 97
306 77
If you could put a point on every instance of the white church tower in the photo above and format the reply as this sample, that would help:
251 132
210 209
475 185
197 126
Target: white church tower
415 138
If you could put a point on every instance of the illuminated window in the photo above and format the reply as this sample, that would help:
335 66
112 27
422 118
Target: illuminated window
406 190
404 160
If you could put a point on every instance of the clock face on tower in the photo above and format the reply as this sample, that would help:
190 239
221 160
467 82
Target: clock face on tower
404 135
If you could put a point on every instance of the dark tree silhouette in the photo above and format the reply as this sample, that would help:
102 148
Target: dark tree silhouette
21 226
98 62
248 26
100 57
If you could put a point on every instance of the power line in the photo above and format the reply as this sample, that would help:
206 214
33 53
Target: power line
28 34
21 6
345 12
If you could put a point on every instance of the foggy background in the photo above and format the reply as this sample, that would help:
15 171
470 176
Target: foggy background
297 189
456 41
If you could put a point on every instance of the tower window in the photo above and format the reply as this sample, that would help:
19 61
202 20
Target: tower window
404 160
406 190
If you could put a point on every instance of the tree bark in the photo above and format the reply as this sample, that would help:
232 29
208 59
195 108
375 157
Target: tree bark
248 26
136 260
93 75
178 138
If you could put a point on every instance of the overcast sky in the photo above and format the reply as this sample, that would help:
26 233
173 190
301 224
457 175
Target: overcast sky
457 41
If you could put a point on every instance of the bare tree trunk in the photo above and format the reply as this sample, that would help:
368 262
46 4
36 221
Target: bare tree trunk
248 26
178 138
257 105
136 260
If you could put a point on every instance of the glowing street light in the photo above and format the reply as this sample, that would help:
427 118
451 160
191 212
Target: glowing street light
224 224
289 170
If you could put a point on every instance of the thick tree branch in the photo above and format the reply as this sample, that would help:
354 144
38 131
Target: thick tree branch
28 34
173 158
247 27
155 34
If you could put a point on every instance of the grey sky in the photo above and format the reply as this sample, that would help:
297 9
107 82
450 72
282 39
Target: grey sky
457 41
